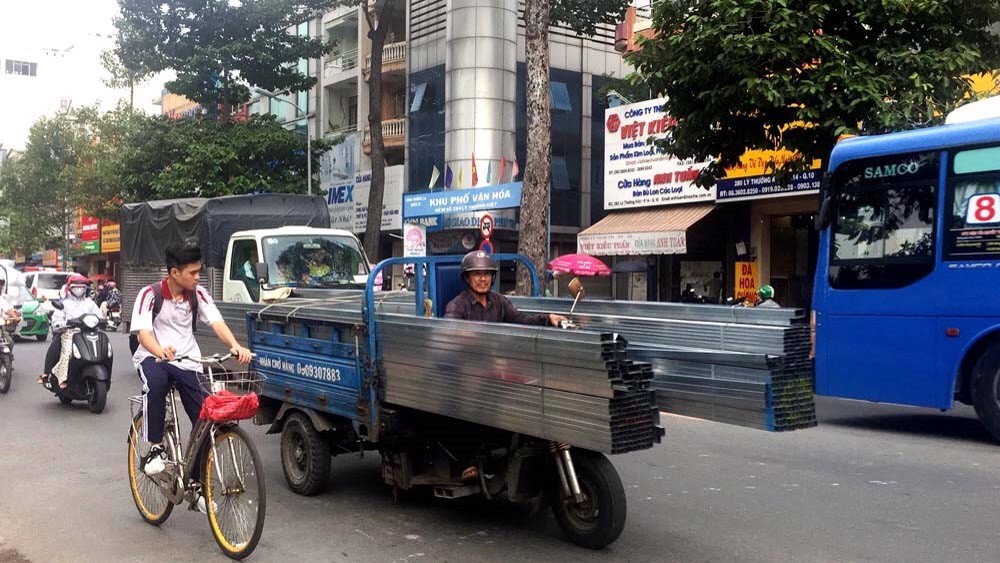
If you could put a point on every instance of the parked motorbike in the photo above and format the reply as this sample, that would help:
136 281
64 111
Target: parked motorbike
89 374
6 359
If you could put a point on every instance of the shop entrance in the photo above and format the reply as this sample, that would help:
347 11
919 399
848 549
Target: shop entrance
794 246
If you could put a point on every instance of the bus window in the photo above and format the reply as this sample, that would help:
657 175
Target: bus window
972 228
883 230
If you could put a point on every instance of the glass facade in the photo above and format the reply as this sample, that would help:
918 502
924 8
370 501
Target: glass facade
566 92
425 107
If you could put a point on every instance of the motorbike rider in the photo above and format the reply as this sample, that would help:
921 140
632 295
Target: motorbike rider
75 305
479 303
7 311
765 298
168 333
112 298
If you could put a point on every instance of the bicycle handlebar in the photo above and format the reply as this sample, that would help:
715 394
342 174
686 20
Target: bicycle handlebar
215 358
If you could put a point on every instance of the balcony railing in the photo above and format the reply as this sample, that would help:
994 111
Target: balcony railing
393 132
340 62
391 54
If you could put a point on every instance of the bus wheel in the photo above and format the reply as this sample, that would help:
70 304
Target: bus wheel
986 390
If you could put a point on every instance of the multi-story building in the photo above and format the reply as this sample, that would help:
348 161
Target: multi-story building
453 86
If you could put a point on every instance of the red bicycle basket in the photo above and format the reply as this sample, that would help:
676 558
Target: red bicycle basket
225 406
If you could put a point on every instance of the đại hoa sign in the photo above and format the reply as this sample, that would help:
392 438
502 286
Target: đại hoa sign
636 172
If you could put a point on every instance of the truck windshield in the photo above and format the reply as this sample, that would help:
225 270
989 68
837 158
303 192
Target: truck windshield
313 261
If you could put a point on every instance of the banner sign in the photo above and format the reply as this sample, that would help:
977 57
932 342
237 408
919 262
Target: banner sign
348 202
630 244
90 229
755 187
111 237
91 247
636 173
414 240
746 281
423 204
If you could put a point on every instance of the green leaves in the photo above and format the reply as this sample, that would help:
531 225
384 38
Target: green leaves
218 47
99 161
733 70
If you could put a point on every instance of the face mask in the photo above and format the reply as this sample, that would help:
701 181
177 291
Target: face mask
78 291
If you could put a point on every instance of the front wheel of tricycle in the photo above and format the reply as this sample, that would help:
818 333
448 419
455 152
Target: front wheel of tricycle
596 522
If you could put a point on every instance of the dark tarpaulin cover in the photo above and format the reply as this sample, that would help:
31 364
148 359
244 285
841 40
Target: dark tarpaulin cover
147 228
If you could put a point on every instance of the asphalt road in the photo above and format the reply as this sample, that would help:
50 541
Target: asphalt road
872 483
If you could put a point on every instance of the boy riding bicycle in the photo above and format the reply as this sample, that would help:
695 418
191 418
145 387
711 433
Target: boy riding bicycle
163 320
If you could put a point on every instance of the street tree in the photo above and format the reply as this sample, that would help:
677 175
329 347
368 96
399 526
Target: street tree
764 74
583 17
219 49
158 158
378 14
38 190
120 76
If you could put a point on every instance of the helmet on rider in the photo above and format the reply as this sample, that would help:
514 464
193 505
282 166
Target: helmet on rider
478 261
77 285
110 285
766 292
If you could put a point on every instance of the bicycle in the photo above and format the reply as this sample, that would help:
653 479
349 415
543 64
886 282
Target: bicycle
219 463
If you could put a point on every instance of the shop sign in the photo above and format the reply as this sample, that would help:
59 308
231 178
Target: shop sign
636 173
51 258
348 202
91 247
111 237
631 244
746 281
18 257
758 187
90 229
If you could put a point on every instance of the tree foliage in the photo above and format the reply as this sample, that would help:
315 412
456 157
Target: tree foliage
219 48
583 17
97 161
38 189
763 74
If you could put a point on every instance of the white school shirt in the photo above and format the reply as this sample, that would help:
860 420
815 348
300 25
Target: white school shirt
172 326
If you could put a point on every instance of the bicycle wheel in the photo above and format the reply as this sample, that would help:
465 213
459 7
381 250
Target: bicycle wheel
153 505
235 493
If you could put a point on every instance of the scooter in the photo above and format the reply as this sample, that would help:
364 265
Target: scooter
89 374
6 360
114 319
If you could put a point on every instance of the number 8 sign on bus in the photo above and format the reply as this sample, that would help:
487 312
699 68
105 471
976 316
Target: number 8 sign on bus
983 208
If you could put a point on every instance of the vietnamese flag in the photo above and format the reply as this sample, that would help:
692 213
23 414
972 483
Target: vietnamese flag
475 174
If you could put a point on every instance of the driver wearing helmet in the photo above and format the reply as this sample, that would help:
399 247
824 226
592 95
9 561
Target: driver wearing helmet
765 298
75 305
479 303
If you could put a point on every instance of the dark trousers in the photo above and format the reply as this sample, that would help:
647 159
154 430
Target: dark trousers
157 377
52 356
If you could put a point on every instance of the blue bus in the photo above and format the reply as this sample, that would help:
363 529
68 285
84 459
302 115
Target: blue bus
907 288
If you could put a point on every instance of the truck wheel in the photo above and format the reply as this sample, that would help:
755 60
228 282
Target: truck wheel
597 521
305 456
986 390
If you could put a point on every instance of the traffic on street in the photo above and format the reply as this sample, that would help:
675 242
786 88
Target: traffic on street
871 482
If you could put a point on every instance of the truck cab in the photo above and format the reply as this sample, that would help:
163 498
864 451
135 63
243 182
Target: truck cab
290 259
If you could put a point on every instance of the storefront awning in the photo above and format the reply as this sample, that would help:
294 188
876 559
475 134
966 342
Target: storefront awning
662 230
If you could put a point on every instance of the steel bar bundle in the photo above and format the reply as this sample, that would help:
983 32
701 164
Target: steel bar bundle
737 365
575 387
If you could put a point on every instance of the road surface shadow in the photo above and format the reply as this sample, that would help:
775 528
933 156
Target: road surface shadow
918 424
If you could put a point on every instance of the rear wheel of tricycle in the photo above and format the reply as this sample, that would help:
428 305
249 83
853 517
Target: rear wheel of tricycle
305 456
597 521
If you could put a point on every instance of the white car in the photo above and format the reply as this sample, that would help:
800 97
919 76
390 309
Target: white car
46 285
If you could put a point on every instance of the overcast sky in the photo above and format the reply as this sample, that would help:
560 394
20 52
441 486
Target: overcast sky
28 26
